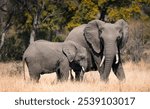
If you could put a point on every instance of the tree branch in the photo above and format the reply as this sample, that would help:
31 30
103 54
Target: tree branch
2 7
8 24
32 36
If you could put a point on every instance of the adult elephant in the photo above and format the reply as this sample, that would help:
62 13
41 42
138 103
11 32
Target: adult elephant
103 42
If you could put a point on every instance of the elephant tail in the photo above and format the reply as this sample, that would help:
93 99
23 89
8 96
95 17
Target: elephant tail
23 60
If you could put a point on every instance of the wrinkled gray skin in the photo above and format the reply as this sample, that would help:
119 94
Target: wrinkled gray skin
46 57
102 40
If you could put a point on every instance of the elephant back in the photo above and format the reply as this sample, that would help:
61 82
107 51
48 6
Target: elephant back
76 35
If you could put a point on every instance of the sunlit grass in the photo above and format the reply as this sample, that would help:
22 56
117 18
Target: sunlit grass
137 79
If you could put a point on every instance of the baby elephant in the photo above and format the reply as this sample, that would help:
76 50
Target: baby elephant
44 57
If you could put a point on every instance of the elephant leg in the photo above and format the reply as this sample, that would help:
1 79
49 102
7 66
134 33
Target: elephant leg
104 77
79 75
34 77
58 74
100 69
34 73
62 75
118 71
63 71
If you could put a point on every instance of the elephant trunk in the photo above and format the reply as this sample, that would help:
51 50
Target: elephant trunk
107 67
110 52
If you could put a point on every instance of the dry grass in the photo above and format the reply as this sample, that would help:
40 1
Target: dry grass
137 79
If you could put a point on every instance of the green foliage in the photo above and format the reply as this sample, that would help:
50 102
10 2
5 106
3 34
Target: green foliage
86 11
71 13
71 4
101 2
12 49
133 11
56 17
58 39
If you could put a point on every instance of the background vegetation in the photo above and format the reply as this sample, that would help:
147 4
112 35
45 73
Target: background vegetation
24 20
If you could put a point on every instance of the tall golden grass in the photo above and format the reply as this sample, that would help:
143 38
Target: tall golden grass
137 80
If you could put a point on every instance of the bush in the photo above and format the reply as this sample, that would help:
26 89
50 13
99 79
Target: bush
12 49
14 46
139 39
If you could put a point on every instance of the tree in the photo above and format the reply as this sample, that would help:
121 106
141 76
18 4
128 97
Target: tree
31 16
83 11
43 15
52 19
5 18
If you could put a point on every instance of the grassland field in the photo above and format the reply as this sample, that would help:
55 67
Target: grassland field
137 80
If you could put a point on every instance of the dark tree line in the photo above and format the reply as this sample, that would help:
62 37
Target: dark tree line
23 21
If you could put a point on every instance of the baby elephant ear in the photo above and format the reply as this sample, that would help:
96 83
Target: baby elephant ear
70 51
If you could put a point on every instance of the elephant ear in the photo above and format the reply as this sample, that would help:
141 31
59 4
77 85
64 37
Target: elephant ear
125 32
92 34
69 50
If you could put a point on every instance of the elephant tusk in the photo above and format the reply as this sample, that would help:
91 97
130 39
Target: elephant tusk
117 59
102 61
83 69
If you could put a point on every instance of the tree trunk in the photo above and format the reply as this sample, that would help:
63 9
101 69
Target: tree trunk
103 13
2 39
103 10
32 36
34 30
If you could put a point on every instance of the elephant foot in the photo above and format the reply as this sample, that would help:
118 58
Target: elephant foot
35 78
103 79
121 77
62 76
79 76
80 79
119 72
62 79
